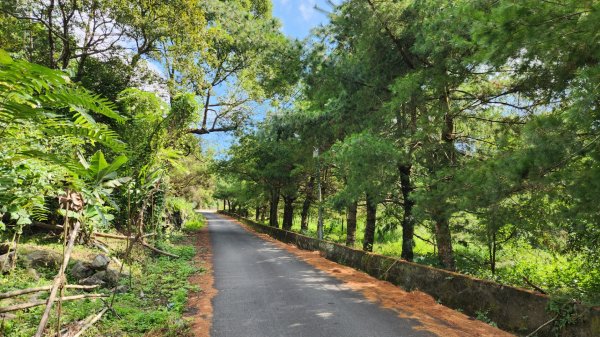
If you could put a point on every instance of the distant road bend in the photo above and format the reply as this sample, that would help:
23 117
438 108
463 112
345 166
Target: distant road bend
266 291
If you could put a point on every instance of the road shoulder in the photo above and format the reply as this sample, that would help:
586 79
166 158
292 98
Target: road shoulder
434 317
199 309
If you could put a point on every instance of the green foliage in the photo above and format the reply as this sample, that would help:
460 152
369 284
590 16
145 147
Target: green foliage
483 316
183 214
46 124
155 302
474 122
565 312
368 165
165 290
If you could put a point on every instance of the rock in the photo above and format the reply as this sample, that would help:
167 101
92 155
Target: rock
42 258
33 273
6 261
81 270
100 262
111 277
96 279
122 289
117 270
5 247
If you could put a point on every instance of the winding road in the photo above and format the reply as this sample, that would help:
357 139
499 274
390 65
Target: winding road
266 291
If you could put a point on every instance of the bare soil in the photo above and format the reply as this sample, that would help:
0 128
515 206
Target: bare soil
199 308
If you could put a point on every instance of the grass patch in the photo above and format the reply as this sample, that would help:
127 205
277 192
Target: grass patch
157 296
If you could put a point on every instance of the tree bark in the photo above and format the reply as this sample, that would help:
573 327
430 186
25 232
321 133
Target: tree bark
441 218
263 213
273 207
369 238
443 239
351 220
408 221
288 212
60 278
51 63
306 205
256 213
65 55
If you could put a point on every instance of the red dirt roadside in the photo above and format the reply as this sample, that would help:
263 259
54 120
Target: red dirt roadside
199 308
435 318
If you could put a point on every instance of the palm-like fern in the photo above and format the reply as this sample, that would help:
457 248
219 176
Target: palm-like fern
45 120
31 93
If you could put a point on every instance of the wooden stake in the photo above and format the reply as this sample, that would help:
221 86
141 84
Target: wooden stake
154 249
58 280
28 305
90 322
15 293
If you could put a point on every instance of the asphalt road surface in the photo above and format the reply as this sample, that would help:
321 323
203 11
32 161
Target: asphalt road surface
264 291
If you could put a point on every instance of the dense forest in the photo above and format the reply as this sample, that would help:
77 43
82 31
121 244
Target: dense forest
459 134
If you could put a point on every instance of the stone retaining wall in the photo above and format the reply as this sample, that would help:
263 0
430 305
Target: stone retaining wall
514 309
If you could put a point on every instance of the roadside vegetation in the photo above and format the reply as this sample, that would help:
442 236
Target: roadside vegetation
458 134
150 300
102 167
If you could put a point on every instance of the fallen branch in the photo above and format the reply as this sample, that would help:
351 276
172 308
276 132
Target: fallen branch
113 236
390 267
90 321
424 239
28 305
20 292
541 326
154 249
120 237
533 285
59 280
47 226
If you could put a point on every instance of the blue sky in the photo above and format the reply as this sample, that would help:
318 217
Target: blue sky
298 17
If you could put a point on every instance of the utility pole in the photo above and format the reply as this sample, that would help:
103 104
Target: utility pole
320 194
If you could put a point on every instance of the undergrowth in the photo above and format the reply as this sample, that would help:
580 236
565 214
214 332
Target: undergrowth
154 303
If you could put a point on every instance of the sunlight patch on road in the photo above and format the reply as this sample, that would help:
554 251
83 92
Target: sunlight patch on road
325 315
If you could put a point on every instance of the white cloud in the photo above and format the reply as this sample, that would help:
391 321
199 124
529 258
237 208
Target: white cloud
307 9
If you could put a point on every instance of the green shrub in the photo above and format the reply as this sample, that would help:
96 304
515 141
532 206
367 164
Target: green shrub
182 213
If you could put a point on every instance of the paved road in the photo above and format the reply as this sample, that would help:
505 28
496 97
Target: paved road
264 291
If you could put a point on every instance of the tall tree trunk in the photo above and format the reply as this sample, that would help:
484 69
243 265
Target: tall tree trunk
370 225
443 239
257 213
224 204
351 219
441 216
288 212
306 205
65 55
273 205
408 221
263 213
51 63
